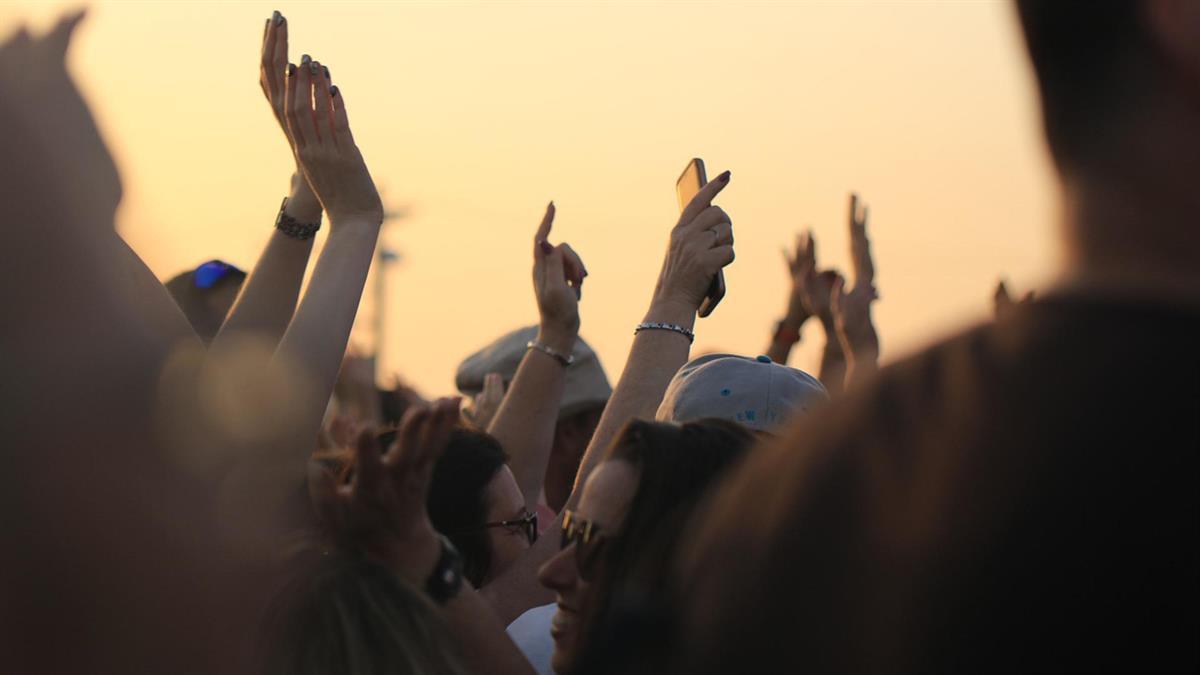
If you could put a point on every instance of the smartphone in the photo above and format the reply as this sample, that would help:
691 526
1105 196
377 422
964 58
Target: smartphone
690 181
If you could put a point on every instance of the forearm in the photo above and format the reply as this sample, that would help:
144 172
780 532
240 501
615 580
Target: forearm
786 335
315 342
654 358
833 360
268 299
525 422
862 353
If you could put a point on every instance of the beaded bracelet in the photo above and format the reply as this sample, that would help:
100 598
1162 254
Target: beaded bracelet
565 359
657 325
294 228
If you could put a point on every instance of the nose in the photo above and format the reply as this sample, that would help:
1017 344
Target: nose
559 572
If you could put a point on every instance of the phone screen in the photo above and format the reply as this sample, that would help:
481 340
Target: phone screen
690 181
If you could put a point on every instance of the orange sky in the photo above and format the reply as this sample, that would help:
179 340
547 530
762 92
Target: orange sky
473 115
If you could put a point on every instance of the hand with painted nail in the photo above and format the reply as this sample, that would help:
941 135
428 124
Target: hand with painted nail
272 75
701 245
558 274
382 510
315 111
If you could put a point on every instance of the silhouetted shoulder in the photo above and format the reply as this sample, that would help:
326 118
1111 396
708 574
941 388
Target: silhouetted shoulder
1016 497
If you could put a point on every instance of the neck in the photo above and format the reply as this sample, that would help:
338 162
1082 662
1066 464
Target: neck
1136 234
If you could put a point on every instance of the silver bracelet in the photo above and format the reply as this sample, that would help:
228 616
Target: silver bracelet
565 359
657 325
294 228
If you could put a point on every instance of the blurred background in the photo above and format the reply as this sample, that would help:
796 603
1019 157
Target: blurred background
473 115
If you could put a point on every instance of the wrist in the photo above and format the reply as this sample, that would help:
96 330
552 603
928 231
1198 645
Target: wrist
665 310
559 338
302 204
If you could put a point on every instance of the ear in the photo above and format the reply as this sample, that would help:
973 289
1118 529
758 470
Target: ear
1175 27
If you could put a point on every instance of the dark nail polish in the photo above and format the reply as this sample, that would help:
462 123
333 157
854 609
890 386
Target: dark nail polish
326 72
546 247
313 68
724 177
305 59
291 69
277 17
333 91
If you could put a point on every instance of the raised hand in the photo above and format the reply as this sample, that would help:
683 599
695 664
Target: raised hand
1004 304
272 77
852 309
45 114
315 111
487 403
701 244
382 510
558 275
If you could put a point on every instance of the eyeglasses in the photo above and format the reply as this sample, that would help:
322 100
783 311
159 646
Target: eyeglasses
208 274
527 523
588 541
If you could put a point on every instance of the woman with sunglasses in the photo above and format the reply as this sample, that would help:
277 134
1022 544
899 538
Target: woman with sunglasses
617 544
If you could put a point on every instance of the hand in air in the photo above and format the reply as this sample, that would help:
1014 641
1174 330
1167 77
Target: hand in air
315 112
51 132
558 274
382 510
701 245
852 309
272 77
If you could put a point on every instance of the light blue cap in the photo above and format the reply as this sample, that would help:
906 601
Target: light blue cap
754 392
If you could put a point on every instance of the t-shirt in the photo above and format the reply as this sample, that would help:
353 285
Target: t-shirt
1023 497
531 633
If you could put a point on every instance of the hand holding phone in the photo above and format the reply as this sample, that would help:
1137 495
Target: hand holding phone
689 184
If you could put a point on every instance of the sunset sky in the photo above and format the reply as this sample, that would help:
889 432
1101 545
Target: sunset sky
473 115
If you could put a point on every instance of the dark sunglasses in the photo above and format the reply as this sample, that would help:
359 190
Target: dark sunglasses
527 524
588 541
208 274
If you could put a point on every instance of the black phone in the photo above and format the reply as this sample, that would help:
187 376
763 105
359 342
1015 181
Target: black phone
690 181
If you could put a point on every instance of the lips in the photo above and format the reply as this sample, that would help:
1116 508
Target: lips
562 621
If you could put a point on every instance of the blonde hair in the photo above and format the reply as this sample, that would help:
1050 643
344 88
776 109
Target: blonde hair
343 614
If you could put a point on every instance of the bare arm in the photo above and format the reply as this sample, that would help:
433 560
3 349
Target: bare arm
801 267
268 299
701 243
315 342
852 310
525 422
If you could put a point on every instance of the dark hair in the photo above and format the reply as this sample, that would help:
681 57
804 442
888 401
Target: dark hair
342 614
1093 61
196 295
677 465
458 498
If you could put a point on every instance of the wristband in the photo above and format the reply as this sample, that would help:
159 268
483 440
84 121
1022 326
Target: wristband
657 325
294 228
785 334
565 359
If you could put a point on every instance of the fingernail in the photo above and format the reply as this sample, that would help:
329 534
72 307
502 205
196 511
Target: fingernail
291 69
277 17
724 176
546 247
304 60
326 68
333 91
313 67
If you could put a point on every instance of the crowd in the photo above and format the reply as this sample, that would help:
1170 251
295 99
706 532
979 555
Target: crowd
235 494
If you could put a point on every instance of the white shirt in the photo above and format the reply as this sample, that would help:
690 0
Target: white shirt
531 633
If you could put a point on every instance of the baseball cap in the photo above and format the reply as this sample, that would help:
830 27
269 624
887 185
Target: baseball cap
754 392
587 385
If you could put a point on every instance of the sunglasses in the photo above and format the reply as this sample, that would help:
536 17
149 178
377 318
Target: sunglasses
526 524
208 274
588 541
